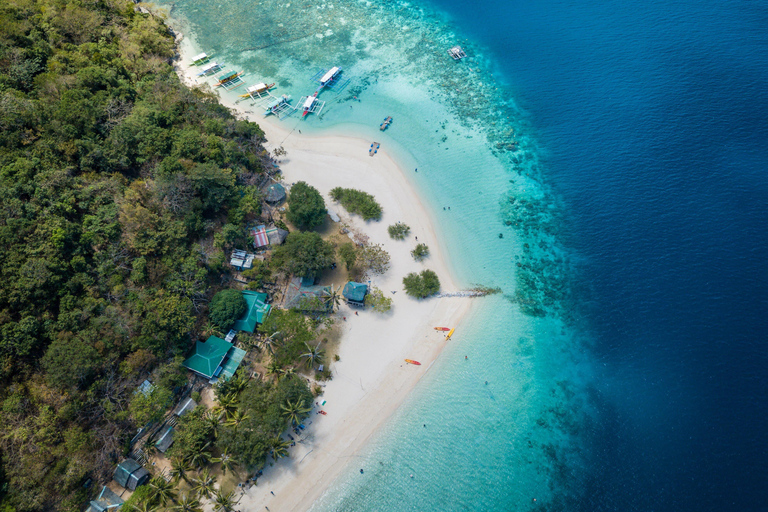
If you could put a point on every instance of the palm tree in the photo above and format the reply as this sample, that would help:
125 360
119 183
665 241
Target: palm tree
180 469
279 448
236 419
295 411
162 490
188 503
313 356
204 484
238 383
228 402
201 456
285 373
332 297
228 462
225 501
145 506
270 343
273 368
210 329
212 420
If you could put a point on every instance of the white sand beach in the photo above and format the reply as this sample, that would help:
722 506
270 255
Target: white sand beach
371 380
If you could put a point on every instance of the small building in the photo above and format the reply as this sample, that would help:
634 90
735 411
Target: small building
241 259
301 294
165 440
276 236
275 194
355 293
107 500
184 407
256 311
260 238
214 358
130 474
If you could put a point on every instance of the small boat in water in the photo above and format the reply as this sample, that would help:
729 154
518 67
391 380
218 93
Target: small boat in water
442 328
257 89
210 69
200 59
228 77
411 361
276 106
386 123
308 104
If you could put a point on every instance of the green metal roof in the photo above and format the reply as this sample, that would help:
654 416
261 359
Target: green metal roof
355 291
207 356
256 311
234 358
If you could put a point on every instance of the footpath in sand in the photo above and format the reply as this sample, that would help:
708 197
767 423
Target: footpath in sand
371 380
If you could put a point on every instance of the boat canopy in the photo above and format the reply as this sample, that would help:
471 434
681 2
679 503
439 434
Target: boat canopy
200 56
210 66
308 103
330 74
257 87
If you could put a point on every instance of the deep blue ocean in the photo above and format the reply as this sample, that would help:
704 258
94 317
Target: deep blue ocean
653 119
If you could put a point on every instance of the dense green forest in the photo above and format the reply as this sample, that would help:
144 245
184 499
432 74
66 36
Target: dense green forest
119 188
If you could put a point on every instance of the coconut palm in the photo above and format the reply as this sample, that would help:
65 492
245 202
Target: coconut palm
286 373
180 469
228 462
238 383
201 456
279 447
271 342
225 501
162 490
273 368
212 420
236 418
204 484
313 355
294 411
210 329
228 402
188 503
331 297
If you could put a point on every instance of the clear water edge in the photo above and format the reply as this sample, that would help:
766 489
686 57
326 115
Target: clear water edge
526 422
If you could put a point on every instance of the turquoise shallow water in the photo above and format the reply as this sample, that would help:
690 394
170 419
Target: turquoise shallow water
485 446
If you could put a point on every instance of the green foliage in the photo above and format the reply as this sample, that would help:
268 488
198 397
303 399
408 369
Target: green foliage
141 496
348 254
226 307
420 252
150 407
264 420
421 285
258 275
306 207
374 259
357 201
290 331
376 300
112 173
398 231
191 434
303 254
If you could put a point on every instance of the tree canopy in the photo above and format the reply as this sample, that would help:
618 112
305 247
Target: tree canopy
226 307
304 254
357 201
306 207
421 285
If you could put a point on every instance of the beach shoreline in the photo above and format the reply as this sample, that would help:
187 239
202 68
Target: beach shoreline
371 380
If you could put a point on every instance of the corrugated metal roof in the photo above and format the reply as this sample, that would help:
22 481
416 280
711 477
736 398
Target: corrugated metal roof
207 356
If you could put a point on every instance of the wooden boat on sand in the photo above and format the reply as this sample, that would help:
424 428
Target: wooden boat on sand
374 148
411 361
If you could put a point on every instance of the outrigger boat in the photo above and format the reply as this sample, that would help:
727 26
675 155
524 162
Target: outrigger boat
457 53
309 103
210 69
200 59
411 361
374 148
442 328
228 77
276 106
329 76
386 123
257 90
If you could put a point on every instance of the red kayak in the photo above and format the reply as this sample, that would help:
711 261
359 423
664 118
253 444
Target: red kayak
411 361
442 328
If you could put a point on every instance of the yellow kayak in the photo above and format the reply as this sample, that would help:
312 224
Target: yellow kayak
451 333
